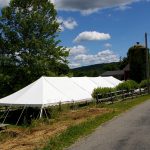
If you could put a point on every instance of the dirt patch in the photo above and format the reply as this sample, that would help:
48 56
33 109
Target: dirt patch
36 137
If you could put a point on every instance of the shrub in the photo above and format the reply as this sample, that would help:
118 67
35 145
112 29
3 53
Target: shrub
127 85
144 83
102 91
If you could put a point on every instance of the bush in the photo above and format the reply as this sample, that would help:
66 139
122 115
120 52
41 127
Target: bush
127 85
144 83
102 91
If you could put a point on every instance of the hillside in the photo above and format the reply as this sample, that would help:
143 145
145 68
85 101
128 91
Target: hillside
95 70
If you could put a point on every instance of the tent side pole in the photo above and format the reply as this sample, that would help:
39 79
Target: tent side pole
41 112
6 115
20 115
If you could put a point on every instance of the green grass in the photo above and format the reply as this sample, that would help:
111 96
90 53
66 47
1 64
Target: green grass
127 104
73 133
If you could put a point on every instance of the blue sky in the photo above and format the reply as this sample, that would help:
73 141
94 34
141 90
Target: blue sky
100 31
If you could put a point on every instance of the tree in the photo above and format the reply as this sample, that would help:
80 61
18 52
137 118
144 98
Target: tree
137 61
28 44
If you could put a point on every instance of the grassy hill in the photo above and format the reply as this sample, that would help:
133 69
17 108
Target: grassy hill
95 70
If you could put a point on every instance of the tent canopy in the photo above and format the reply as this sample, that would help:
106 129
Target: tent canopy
112 80
48 91
84 83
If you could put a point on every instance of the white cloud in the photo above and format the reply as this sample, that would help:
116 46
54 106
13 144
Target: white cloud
4 3
69 23
76 50
123 7
89 11
107 45
105 56
91 36
74 65
88 7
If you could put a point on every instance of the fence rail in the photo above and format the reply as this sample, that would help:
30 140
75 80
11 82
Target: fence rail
120 95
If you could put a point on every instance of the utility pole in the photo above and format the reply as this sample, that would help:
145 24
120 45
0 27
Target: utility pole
147 62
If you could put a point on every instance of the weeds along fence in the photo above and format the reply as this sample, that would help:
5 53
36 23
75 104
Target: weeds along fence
120 95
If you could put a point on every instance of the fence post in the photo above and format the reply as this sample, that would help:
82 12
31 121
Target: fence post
97 98
73 105
60 108
111 97
123 94
140 92
132 93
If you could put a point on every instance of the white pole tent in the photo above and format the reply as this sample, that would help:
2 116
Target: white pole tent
48 91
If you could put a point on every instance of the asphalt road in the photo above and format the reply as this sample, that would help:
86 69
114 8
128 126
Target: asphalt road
129 131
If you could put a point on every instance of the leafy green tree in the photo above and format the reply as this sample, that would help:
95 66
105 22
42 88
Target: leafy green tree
111 67
95 73
137 61
29 47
